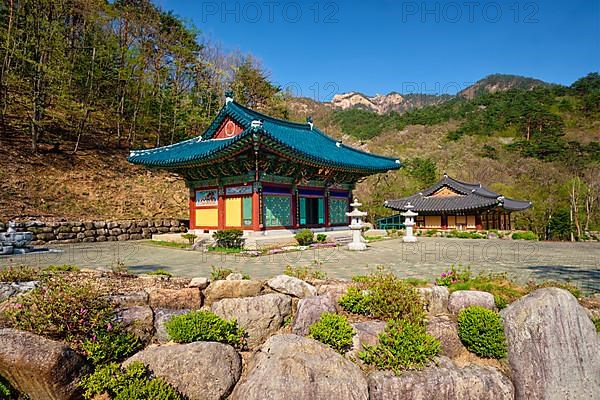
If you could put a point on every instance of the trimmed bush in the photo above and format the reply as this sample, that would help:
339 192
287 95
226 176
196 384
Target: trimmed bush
191 237
524 236
481 332
402 346
229 238
321 237
132 383
204 326
332 330
305 237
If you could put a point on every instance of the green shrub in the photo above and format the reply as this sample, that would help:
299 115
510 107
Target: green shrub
160 272
305 272
5 389
524 236
190 237
383 295
62 268
321 237
355 301
454 275
108 346
431 232
71 312
332 330
596 322
229 238
19 274
466 235
305 237
481 332
131 383
401 346
204 326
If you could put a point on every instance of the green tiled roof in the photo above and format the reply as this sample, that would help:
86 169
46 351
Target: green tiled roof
297 139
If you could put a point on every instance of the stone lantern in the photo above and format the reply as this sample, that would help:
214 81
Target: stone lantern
409 221
356 224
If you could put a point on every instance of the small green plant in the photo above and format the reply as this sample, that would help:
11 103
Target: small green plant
481 332
134 382
355 301
524 236
321 238
190 237
160 272
204 326
454 275
19 274
229 238
305 237
466 235
5 389
431 232
401 346
596 322
110 345
332 330
384 295
416 282
62 268
305 272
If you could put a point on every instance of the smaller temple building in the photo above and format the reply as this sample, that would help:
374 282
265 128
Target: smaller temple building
452 204
254 172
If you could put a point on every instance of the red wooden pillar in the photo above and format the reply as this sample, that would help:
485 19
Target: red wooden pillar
221 208
192 205
326 208
255 210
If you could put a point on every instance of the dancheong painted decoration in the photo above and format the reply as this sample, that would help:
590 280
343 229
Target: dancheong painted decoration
254 172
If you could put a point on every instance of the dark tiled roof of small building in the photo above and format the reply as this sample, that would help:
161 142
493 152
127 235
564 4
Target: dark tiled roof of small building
469 196
300 140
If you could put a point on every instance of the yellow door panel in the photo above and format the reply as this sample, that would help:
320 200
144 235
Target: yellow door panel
233 212
207 217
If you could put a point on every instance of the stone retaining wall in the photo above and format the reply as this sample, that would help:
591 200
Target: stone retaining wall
96 231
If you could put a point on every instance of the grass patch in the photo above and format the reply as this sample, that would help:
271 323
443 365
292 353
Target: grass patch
160 272
164 243
226 250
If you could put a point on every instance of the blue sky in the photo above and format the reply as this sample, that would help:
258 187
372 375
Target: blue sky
318 48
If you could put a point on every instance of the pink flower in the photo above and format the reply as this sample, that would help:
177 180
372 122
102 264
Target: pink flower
18 305
109 326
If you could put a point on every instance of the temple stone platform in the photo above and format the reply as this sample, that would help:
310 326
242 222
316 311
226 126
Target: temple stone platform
274 238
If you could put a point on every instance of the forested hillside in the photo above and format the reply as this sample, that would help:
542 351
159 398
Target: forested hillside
540 144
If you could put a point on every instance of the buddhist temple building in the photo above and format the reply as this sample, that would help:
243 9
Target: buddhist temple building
452 204
253 172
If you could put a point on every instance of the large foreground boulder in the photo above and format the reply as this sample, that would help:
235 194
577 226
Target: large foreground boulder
185 298
224 289
309 312
443 382
444 329
294 367
435 299
41 368
292 286
199 370
260 316
467 298
553 347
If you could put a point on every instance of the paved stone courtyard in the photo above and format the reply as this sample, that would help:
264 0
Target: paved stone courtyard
578 262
